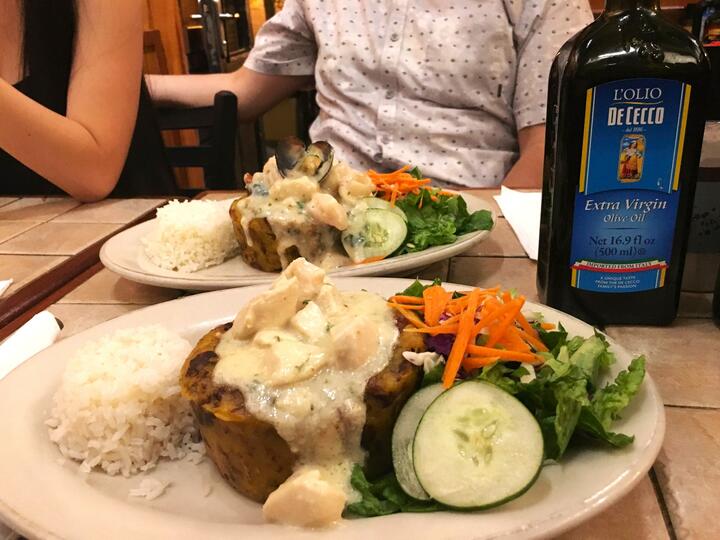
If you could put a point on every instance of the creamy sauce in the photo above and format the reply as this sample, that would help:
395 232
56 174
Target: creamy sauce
302 354
306 216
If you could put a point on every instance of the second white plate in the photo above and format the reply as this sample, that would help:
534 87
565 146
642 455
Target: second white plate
123 254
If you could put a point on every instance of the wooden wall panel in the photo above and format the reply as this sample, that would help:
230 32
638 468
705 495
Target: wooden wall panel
164 15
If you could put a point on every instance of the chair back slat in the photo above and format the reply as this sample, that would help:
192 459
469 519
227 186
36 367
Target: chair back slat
189 156
217 129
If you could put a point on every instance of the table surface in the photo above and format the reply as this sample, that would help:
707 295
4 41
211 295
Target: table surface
678 499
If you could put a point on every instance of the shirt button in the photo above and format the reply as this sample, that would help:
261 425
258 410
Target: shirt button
385 139
389 94
377 157
394 37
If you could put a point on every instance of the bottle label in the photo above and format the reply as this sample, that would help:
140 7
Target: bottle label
627 199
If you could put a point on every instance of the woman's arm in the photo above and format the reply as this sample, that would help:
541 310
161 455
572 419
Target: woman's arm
256 92
84 152
528 169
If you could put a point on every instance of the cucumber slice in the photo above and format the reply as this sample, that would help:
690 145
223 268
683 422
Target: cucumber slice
373 233
477 447
381 204
403 435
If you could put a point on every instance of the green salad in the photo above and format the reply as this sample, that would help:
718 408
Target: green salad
451 439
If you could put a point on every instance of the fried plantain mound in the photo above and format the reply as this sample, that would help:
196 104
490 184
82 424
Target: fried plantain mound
250 454
261 249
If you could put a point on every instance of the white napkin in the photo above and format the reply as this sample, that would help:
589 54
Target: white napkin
35 335
522 210
4 285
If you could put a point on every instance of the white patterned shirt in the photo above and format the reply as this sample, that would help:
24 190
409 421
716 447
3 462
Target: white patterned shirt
444 85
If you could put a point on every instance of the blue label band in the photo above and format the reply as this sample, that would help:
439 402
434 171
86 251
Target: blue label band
627 199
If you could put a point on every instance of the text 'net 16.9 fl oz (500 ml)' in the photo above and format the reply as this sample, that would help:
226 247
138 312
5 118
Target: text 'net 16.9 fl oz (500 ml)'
626 109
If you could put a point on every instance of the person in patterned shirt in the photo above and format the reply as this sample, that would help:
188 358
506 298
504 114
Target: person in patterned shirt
456 88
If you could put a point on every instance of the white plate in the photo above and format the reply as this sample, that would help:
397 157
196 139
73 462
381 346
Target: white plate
123 254
42 498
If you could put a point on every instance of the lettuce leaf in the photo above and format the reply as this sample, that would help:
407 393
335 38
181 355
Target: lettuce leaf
587 358
417 288
384 496
435 219
609 402
589 426
565 398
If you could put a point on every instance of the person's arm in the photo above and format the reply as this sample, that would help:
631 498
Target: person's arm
256 92
528 169
83 152
281 62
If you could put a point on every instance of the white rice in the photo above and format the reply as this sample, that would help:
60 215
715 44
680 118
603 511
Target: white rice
191 235
149 489
119 407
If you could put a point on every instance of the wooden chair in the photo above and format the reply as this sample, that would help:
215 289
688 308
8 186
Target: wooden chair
217 126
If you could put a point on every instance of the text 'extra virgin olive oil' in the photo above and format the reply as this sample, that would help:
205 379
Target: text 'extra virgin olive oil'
626 107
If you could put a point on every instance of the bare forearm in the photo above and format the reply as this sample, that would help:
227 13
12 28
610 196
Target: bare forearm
527 171
187 90
256 92
56 147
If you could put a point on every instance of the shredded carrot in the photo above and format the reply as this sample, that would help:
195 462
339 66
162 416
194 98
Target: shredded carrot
478 350
372 259
535 342
493 315
452 319
507 334
406 306
498 332
435 330
525 325
465 328
396 184
412 317
436 299
393 197
547 326
514 340
407 299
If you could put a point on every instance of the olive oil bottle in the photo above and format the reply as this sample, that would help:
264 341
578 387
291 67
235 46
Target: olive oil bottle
626 105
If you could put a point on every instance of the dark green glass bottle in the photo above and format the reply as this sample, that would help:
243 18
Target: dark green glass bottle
626 105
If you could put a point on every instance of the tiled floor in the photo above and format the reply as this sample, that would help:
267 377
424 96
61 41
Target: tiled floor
487 196
24 268
106 287
518 273
38 233
36 208
54 238
684 359
109 211
11 229
688 471
502 242
637 516
7 200
79 317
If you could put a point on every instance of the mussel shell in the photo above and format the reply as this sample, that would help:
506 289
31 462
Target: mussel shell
294 159
288 153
